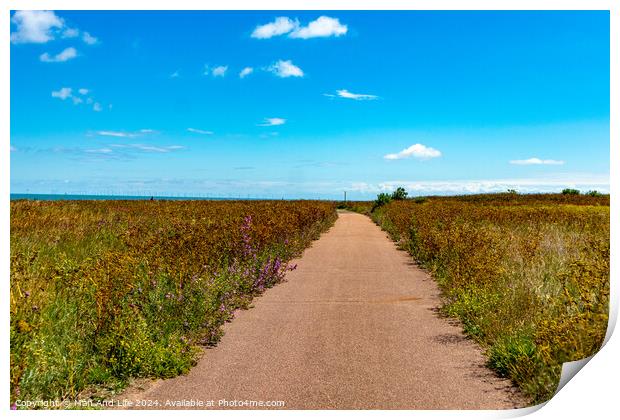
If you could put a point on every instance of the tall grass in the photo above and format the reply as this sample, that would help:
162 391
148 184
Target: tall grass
108 290
528 276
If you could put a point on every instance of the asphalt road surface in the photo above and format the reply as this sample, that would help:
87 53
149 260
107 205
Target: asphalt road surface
354 327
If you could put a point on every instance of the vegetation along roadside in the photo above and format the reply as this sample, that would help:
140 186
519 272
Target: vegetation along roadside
103 291
527 274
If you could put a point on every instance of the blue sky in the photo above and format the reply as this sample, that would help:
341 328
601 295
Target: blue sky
440 102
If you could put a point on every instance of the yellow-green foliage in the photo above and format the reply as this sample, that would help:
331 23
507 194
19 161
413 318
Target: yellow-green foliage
528 275
106 290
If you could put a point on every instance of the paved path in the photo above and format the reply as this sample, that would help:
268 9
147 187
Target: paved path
355 326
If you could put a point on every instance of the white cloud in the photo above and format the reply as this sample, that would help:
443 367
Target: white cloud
126 133
148 147
246 72
219 71
554 183
343 93
89 39
63 93
174 75
417 150
537 161
269 122
41 26
116 133
36 26
104 150
67 93
199 131
285 68
70 33
323 27
279 26
64 55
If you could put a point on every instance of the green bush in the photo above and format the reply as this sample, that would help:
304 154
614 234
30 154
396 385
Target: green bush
399 194
382 200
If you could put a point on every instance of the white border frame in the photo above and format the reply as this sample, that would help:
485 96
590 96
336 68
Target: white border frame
591 393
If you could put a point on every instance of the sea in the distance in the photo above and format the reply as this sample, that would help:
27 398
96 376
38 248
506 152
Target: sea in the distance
56 197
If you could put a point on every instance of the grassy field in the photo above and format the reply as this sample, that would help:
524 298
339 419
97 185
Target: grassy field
102 291
528 275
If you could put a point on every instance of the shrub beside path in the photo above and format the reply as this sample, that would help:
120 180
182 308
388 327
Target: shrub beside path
354 327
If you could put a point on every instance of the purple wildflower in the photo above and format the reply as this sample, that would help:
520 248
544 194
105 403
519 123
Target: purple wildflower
245 236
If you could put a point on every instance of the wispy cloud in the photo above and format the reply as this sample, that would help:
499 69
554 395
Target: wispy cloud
343 93
269 122
479 186
537 161
246 72
199 131
62 93
129 134
417 150
64 55
70 33
89 39
79 97
116 133
217 71
279 26
175 75
322 27
285 68
114 151
148 147
104 150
